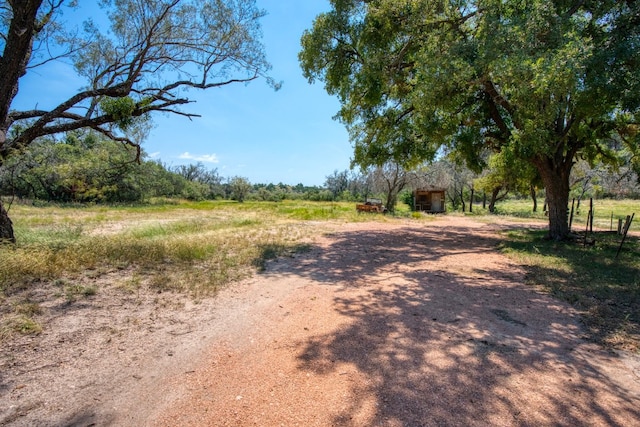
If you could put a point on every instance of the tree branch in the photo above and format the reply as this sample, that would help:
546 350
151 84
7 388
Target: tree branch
189 45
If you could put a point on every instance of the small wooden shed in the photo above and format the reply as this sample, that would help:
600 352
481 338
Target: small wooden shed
431 200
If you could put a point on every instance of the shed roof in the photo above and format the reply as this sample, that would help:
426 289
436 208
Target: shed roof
429 190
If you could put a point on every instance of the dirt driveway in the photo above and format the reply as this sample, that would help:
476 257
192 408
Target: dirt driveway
379 324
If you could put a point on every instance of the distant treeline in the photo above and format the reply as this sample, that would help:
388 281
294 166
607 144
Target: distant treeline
85 167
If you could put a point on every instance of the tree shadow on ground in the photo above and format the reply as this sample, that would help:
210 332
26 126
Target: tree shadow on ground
605 289
446 340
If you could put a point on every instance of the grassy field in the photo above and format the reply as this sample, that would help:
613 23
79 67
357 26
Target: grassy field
605 216
225 239
195 248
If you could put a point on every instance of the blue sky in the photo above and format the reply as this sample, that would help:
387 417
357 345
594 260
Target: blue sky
249 130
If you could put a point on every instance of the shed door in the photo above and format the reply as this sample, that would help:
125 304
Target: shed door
436 202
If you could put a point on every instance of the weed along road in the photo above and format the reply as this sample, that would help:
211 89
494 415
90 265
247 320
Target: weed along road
388 322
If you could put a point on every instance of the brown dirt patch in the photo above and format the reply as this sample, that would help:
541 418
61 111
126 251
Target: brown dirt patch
379 324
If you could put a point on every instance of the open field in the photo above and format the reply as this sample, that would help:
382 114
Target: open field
111 314
195 248
188 248
226 241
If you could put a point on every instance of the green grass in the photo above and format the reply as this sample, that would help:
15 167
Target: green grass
606 214
520 208
605 289
604 209
75 291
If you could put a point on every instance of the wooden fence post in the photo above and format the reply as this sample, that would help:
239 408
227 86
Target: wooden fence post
627 225
586 231
573 202
611 226
591 211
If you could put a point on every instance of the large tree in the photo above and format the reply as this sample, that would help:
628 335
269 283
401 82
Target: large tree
153 53
551 80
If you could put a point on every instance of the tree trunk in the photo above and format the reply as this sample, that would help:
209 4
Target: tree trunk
392 200
532 190
494 198
18 46
6 226
556 183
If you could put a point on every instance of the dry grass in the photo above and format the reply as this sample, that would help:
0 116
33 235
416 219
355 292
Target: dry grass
190 248
195 248
198 248
605 289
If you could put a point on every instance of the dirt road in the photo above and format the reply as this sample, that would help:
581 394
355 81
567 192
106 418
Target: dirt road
379 324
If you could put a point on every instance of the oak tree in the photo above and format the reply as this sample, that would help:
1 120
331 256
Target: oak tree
549 80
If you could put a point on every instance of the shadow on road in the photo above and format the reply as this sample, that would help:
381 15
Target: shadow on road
446 334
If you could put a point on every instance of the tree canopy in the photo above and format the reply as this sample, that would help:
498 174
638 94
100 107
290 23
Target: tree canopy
154 52
548 80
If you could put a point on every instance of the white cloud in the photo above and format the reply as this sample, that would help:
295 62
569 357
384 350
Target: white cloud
207 158
154 155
